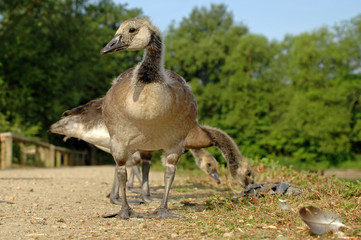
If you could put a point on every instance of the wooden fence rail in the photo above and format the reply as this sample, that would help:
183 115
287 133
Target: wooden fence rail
46 154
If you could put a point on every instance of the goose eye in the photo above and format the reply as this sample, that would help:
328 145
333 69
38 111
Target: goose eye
249 174
131 30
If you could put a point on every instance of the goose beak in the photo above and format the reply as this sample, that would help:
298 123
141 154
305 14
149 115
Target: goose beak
215 176
114 45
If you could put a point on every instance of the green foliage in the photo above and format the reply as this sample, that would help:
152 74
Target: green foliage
297 99
17 127
197 49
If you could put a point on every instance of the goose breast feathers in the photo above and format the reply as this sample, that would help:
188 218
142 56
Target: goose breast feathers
162 110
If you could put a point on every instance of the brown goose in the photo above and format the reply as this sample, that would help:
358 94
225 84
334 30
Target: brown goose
149 108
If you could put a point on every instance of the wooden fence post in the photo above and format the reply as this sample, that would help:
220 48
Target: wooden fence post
51 159
22 162
66 159
58 159
2 156
6 150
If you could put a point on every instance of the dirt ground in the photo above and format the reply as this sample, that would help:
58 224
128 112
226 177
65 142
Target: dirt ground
351 174
68 203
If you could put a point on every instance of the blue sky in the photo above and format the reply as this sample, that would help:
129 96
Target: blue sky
272 18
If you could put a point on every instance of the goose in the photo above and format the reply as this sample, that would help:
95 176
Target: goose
147 109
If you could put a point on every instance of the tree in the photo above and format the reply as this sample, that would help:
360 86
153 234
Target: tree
198 47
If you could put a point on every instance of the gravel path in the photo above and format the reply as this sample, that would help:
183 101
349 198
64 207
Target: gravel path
67 203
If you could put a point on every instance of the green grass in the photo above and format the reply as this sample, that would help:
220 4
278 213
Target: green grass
314 165
262 218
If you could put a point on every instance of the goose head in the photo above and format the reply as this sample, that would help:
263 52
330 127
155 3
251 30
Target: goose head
244 174
133 34
209 166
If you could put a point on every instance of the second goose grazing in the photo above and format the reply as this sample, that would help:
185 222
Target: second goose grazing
147 109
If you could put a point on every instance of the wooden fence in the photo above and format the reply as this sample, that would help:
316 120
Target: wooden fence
45 154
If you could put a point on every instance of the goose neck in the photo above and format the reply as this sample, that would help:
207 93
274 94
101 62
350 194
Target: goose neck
151 67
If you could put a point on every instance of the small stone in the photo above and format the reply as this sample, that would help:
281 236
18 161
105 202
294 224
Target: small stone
228 235
294 191
282 187
174 235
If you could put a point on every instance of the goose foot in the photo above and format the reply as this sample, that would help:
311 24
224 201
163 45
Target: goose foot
149 199
117 200
124 214
133 189
163 213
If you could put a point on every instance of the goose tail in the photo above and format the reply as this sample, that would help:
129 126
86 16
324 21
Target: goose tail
66 126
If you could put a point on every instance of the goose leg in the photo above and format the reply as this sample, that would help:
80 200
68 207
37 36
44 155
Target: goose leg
114 194
145 191
135 172
162 211
126 211
130 182
120 157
